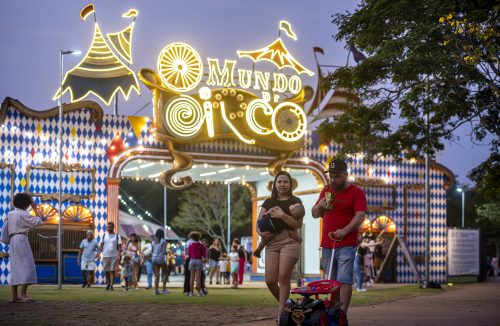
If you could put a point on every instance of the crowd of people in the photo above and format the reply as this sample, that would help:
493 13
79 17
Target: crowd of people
341 204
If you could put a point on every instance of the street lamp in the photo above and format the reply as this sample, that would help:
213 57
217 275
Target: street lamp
462 191
59 224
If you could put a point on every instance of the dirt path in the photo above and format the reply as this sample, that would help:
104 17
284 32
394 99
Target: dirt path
474 304
102 314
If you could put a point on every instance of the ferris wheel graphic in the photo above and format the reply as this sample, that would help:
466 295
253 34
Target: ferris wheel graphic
180 67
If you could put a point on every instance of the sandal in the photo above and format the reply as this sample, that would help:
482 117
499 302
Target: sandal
25 300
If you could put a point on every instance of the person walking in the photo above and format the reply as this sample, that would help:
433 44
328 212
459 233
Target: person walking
111 249
15 233
343 207
86 258
281 252
134 252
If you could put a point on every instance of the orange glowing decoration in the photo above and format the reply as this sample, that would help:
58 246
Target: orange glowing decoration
383 223
77 214
47 213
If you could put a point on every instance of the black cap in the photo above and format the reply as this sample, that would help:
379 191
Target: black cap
336 166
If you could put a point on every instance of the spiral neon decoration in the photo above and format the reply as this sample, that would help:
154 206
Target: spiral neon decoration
250 116
183 117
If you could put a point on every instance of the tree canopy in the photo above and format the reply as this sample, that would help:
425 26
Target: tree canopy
204 208
424 58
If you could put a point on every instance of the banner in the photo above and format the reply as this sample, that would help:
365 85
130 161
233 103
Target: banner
463 252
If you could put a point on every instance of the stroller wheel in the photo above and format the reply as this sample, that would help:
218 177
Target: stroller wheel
319 318
285 319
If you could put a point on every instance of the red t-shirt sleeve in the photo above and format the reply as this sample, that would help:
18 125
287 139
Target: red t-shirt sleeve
321 195
360 201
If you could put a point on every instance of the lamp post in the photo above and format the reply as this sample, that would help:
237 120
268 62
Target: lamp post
462 191
59 224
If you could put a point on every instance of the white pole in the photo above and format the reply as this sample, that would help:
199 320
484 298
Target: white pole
463 207
165 210
228 217
427 197
59 224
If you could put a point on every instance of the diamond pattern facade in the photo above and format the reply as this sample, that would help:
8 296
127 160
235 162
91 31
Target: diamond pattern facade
28 141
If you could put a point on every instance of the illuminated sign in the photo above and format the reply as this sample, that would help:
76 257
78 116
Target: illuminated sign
101 72
262 108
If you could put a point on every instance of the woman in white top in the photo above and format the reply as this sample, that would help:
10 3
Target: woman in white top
15 232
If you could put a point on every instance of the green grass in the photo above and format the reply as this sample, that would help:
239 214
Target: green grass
217 296
462 279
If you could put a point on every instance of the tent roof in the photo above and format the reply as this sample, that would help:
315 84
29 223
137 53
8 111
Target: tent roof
131 224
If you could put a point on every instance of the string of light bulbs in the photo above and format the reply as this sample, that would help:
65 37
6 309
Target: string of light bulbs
124 196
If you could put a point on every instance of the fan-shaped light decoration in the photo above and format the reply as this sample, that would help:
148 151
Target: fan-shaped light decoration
366 226
180 67
384 222
77 214
47 213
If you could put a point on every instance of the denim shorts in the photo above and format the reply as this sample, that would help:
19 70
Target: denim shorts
160 260
195 265
343 263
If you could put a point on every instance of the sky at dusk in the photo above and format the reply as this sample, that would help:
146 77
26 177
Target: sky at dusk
33 32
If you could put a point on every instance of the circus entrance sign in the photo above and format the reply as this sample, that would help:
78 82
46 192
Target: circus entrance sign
197 100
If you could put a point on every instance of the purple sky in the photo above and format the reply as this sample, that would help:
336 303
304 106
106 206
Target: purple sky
33 32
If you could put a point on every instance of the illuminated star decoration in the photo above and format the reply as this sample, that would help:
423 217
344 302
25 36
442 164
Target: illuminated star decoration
277 53
101 72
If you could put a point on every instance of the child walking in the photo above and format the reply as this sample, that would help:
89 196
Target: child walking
15 232
197 253
127 269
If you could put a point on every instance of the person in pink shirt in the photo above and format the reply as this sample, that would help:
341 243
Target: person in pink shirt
197 253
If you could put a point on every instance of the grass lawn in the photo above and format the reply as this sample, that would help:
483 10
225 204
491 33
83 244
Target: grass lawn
217 296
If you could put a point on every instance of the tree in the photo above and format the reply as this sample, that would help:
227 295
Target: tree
435 58
204 208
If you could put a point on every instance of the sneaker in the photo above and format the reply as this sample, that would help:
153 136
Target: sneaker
199 294
205 291
210 283
88 285
107 287
190 294
165 291
217 283
148 287
361 290
83 285
111 288
156 292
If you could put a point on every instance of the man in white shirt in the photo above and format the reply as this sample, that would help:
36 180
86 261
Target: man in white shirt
86 258
111 249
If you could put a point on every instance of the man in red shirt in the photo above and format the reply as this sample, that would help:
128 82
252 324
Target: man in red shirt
342 206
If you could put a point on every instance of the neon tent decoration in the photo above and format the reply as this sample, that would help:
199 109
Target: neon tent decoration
342 100
276 53
101 72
